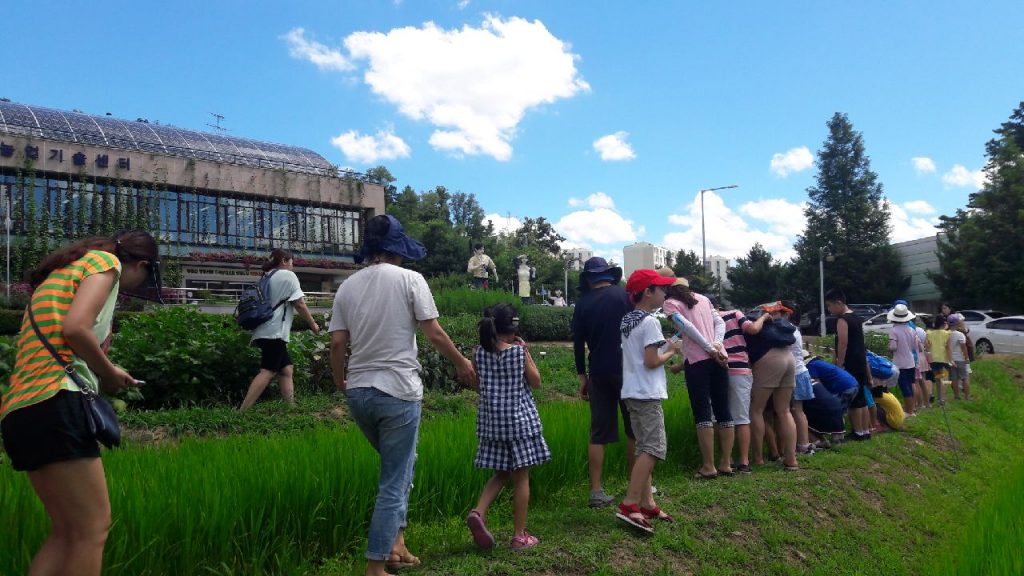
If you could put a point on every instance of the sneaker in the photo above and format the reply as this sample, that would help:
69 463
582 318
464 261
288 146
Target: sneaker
525 541
742 468
805 450
859 437
600 500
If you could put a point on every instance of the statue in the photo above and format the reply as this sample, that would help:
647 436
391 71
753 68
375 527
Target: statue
557 299
478 266
524 275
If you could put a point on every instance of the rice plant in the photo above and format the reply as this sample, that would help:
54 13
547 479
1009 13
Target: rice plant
273 504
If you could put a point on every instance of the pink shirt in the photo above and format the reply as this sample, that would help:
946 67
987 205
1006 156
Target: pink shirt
902 343
703 317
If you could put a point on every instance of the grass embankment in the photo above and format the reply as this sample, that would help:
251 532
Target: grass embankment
284 503
895 505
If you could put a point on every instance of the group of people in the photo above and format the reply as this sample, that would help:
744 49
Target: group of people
750 382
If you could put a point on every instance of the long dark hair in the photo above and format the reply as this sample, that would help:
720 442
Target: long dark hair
130 246
794 317
500 319
683 294
276 258
376 231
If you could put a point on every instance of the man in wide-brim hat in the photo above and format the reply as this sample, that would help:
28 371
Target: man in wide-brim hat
595 326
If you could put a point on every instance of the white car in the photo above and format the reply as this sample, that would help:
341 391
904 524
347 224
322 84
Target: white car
1001 336
973 317
880 323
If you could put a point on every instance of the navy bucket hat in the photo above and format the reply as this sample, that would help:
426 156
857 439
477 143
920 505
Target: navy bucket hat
396 242
597 269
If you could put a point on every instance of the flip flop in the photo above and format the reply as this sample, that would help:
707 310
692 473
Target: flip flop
657 513
702 476
404 561
626 514
481 536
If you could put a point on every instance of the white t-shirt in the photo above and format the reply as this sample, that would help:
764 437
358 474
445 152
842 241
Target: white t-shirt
956 353
797 348
638 381
380 307
284 285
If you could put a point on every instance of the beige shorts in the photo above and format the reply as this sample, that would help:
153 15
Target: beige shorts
776 369
648 426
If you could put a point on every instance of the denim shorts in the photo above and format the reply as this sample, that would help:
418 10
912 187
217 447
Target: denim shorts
804 390
907 378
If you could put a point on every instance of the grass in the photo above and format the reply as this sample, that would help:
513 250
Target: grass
299 503
895 505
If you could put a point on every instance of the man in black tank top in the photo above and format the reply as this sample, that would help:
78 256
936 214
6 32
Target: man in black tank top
851 356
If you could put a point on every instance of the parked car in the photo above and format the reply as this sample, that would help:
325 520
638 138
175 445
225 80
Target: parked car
880 322
973 317
810 322
1003 336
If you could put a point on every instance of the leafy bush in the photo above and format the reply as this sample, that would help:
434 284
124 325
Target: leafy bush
8 347
10 321
545 323
873 341
186 357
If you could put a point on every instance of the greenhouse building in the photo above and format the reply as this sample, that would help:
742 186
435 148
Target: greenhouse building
217 203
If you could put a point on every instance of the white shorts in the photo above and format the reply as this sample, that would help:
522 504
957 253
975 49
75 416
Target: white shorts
739 397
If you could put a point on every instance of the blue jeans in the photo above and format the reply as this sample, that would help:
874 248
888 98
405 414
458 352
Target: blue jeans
392 427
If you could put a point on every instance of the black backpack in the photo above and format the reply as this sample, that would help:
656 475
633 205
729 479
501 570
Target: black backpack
254 309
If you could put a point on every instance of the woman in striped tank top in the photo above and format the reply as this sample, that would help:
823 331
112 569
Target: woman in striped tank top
42 416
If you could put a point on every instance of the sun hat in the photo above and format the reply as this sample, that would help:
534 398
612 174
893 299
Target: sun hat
644 278
597 269
954 319
679 280
395 241
900 314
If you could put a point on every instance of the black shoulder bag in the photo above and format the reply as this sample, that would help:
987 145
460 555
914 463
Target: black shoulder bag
102 419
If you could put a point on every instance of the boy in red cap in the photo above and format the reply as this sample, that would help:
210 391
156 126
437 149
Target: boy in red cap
644 386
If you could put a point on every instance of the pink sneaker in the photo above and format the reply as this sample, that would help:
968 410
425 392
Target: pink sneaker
525 541
481 535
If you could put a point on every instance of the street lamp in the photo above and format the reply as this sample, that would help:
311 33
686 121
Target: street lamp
7 229
703 243
822 256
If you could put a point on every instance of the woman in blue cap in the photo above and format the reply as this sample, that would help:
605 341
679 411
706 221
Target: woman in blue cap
377 311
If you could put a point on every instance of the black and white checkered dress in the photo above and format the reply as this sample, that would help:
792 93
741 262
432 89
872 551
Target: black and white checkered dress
507 423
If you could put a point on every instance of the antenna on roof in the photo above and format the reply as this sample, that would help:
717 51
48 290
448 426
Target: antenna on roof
217 126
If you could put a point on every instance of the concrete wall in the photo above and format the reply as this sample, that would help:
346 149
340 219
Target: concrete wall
917 258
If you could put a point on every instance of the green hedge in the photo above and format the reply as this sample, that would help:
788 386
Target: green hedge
873 341
545 323
10 321
468 301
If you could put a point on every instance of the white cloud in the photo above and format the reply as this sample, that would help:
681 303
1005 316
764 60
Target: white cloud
729 234
905 227
473 84
960 177
598 226
794 160
919 207
323 57
614 147
782 216
595 200
369 149
462 4
923 164
503 224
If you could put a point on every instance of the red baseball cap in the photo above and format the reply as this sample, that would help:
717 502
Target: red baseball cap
644 278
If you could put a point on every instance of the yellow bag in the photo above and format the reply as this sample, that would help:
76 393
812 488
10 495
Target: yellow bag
890 411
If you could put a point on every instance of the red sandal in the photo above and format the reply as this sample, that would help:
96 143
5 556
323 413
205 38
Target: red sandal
657 513
631 514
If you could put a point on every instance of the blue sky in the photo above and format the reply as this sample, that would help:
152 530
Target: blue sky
605 117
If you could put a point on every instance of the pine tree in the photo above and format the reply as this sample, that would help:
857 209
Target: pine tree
848 217
982 255
687 265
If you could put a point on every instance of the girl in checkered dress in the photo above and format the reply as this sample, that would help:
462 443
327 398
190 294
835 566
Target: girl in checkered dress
507 423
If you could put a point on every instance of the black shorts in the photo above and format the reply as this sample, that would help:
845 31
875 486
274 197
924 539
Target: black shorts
54 430
273 354
605 405
861 399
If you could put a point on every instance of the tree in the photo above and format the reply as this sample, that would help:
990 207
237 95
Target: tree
982 255
538 232
383 175
848 217
755 278
688 265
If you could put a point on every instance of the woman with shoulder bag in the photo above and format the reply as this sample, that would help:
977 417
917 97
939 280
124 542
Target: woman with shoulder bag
47 425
